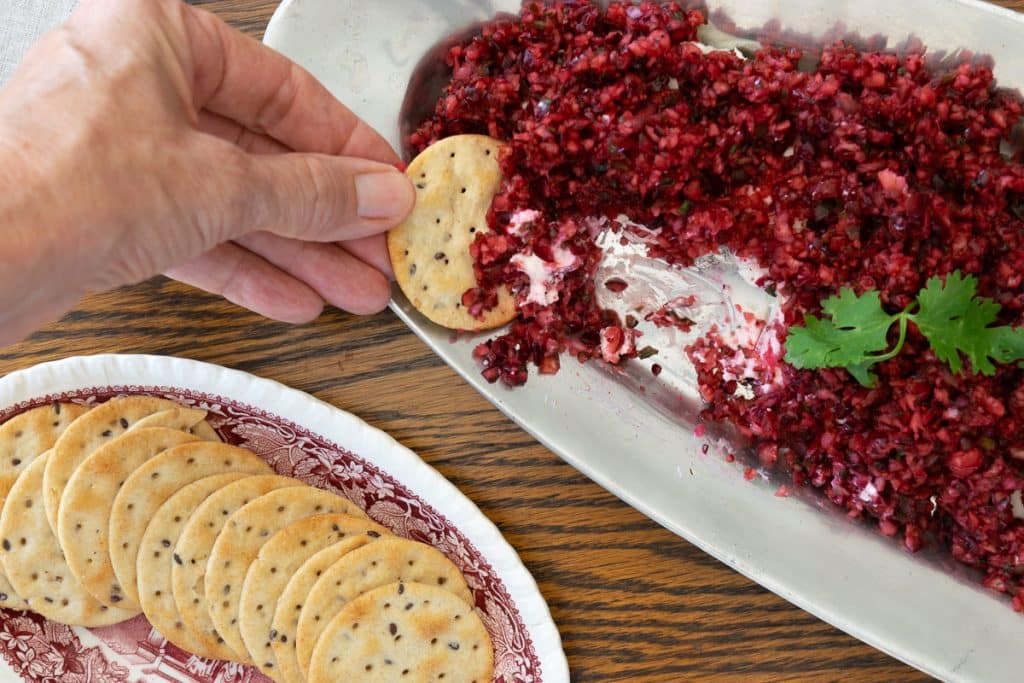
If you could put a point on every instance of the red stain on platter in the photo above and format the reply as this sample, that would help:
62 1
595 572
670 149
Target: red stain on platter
41 651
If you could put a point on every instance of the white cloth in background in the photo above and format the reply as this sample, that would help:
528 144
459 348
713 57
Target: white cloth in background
22 22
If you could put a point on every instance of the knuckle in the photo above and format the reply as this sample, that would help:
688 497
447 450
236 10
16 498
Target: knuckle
320 209
242 185
225 190
232 279
282 102
72 51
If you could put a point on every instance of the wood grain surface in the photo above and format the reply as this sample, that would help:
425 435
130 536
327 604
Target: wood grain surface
632 601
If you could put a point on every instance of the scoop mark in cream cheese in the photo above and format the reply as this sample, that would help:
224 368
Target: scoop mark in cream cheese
544 275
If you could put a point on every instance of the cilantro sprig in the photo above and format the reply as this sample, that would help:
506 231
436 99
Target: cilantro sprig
955 321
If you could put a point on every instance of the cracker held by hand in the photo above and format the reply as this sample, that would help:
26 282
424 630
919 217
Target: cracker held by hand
455 179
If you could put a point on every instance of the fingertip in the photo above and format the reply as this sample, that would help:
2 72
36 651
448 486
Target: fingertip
409 199
296 316
386 195
374 296
373 251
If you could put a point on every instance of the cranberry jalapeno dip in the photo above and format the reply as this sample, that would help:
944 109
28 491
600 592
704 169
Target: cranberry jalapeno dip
867 171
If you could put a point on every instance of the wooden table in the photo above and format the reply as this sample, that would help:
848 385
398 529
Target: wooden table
632 601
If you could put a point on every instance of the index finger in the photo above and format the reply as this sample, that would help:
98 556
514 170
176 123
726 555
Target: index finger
242 79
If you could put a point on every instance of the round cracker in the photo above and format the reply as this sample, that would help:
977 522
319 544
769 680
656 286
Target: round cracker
156 480
205 431
85 435
24 438
239 542
275 563
456 179
386 561
34 563
407 632
188 578
179 417
293 597
83 523
156 555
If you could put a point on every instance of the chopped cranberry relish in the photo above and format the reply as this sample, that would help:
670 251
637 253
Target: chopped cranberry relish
868 171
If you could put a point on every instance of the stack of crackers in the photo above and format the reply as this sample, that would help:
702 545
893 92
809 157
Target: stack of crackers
135 506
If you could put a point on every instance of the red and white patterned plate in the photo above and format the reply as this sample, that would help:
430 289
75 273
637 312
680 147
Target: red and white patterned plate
299 436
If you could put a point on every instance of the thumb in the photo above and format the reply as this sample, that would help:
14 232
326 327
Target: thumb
321 198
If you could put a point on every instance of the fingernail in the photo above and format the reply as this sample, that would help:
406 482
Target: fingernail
385 194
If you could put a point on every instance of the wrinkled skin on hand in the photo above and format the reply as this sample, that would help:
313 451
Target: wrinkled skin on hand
149 137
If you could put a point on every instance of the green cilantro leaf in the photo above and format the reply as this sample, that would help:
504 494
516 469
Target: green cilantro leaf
809 346
1006 344
949 314
954 321
862 373
856 330
863 323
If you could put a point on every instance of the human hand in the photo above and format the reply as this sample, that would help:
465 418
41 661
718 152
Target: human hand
148 137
